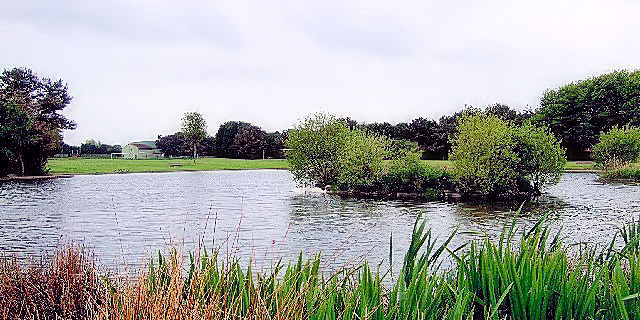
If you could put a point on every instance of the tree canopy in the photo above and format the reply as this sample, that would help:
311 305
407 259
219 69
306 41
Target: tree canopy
30 120
577 113
194 130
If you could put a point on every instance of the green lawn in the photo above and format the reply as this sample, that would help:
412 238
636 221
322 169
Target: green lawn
94 166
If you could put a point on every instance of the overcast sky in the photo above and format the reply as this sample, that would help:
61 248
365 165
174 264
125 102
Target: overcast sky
134 67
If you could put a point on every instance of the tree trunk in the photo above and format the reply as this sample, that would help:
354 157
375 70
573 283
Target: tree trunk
194 152
21 164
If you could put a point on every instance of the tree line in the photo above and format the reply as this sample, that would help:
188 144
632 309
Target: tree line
234 139
577 114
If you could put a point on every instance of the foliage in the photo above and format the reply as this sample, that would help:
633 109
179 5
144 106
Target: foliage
578 112
361 159
275 144
407 173
30 122
315 146
172 145
484 156
194 130
542 158
91 146
617 148
494 158
629 172
16 133
250 143
226 136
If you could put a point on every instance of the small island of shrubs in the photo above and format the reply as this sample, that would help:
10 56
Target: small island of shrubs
618 153
492 159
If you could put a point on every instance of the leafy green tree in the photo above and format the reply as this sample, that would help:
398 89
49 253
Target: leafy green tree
484 157
361 160
194 130
16 134
30 122
578 112
495 158
315 145
618 147
542 158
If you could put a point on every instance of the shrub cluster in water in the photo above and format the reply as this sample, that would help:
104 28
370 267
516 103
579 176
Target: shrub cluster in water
492 158
496 158
325 152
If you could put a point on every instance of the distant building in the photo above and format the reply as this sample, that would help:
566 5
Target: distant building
141 150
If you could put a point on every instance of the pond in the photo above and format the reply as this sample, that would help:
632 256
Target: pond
261 214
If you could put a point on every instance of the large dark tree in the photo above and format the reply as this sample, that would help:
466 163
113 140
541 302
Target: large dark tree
172 145
250 143
578 112
226 135
425 133
30 123
275 144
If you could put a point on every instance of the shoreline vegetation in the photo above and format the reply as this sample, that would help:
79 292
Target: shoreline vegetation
79 165
539 278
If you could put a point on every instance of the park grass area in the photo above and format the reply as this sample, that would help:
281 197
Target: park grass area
101 166
539 278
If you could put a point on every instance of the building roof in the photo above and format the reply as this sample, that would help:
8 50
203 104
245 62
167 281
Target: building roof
144 144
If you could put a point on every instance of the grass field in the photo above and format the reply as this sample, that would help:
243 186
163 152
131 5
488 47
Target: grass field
98 166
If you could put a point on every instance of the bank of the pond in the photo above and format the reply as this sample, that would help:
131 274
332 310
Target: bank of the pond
628 173
103 166
540 278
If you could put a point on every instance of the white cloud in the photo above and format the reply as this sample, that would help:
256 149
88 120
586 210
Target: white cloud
135 67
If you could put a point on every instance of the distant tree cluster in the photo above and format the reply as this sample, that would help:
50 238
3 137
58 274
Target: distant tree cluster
234 139
30 120
91 146
433 137
577 113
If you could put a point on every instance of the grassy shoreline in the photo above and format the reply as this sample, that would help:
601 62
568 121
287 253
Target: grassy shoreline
105 166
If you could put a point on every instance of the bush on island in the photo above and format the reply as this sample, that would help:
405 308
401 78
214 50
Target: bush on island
361 160
494 158
617 148
314 147
324 151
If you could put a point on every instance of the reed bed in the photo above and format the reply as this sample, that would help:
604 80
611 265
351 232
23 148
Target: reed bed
526 274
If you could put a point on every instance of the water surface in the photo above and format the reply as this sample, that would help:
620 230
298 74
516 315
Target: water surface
261 214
